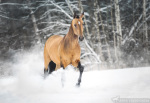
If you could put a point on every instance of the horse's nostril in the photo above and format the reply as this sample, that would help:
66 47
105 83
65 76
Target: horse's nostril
81 38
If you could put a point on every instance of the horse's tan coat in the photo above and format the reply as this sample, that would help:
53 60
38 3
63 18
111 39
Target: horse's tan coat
64 50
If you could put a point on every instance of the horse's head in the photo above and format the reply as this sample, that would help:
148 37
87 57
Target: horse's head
77 25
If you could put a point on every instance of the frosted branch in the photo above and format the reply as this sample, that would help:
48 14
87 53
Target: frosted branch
96 56
62 10
132 29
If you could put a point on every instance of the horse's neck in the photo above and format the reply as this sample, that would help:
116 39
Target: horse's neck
70 40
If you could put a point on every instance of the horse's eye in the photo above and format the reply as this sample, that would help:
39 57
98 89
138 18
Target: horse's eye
75 25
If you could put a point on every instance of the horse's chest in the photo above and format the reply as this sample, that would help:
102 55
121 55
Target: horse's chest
70 56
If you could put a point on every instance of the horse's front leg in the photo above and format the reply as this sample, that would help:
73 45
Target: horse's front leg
63 64
81 69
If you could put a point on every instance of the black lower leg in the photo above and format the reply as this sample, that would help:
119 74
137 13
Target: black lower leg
51 67
45 72
81 69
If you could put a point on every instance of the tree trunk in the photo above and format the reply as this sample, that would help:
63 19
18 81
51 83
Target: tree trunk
35 27
49 16
34 24
81 10
133 4
145 25
68 3
104 33
118 23
114 35
101 19
98 32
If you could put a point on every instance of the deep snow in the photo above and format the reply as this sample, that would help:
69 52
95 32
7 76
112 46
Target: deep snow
27 85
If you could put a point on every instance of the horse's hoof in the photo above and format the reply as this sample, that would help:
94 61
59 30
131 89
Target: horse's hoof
77 85
45 75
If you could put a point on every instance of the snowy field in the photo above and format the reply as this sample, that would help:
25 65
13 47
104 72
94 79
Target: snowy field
27 85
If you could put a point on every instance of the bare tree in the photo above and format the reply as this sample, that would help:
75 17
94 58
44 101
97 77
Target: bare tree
34 23
81 10
145 24
68 3
118 23
114 34
124 27
98 32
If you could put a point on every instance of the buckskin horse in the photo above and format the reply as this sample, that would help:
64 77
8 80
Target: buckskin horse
62 51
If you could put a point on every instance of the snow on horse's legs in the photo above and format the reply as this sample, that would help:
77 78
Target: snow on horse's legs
63 77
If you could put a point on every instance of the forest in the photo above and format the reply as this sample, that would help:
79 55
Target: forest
117 32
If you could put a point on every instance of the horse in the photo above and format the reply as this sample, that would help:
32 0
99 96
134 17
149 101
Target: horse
62 51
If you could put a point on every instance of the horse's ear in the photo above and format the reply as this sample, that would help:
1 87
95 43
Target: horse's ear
74 15
82 15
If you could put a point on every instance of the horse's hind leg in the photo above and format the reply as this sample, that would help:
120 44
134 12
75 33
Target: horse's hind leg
46 62
51 67
46 66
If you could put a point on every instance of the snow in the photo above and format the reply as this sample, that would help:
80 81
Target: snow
27 84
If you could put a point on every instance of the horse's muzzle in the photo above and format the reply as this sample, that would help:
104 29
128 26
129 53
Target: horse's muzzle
81 38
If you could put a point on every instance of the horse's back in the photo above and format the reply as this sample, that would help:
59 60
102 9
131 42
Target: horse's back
52 46
55 39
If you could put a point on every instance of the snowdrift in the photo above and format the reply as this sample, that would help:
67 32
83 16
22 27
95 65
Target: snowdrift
27 84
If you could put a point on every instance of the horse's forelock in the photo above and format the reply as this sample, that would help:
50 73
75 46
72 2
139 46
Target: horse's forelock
77 16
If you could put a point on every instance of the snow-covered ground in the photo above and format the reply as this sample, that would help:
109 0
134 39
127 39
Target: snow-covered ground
27 85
